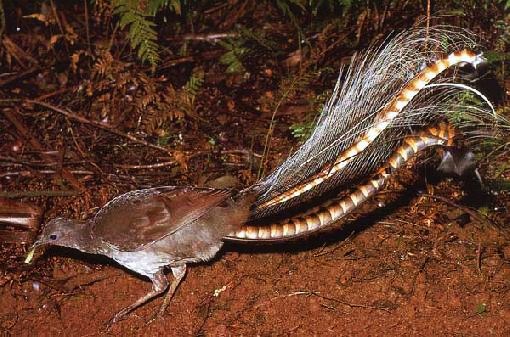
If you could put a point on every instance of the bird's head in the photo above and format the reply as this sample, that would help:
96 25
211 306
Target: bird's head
58 232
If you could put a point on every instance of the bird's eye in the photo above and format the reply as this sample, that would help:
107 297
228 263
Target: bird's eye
53 236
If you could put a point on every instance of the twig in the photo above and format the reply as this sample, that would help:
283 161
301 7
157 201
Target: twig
59 24
41 193
19 75
295 293
148 166
19 215
27 173
173 62
87 28
479 257
199 332
2 19
83 120
16 52
342 244
352 305
37 146
477 216
318 294
269 133
54 93
204 37
217 8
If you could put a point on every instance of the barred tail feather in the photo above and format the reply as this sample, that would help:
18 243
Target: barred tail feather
381 122
383 96
326 215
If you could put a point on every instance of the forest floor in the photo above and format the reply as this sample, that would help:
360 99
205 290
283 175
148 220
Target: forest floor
427 264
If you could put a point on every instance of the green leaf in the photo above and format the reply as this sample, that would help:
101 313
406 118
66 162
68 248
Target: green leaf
481 308
142 34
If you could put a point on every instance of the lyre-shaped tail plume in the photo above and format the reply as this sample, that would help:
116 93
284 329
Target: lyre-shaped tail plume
381 99
326 215
381 122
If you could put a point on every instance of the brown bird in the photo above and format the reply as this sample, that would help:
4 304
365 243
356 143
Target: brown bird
148 230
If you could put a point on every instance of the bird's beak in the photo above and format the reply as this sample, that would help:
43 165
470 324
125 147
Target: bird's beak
30 255
32 251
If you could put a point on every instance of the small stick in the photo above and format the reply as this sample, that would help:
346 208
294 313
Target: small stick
352 305
469 211
479 257
203 37
173 62
148 166
19 75
37 146
59 23
87 29
54 93
83 120
26 172
41 193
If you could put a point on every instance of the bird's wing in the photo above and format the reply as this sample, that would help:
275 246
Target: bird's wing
137 218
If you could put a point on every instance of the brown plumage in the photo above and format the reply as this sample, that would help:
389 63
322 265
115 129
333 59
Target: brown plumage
148 230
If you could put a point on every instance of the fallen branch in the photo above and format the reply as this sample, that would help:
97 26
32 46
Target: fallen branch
83 120
66 174
477 216
18 76
41 193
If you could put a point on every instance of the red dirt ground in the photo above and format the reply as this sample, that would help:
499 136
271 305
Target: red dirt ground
414 272
419 267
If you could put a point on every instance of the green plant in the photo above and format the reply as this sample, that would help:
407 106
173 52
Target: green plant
481 308
192 88
288 88
234 55
505 2
287 7
137 15
302 131
142 35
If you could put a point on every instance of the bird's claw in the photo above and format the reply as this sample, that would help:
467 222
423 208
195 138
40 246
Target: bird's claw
157 315
116 318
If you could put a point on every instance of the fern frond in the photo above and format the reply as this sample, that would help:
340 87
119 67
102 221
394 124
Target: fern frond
286 7
193 86
234 55
142 34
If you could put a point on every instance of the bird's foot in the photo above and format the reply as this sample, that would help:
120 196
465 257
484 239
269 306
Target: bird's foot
178 273
160 313
118 317
154 317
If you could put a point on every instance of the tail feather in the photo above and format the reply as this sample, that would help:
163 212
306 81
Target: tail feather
381 121
326 215
383 97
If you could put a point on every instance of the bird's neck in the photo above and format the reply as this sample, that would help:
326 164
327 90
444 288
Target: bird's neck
84 241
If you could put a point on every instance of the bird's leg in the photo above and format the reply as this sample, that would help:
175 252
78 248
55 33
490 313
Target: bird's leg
159 285
178 272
